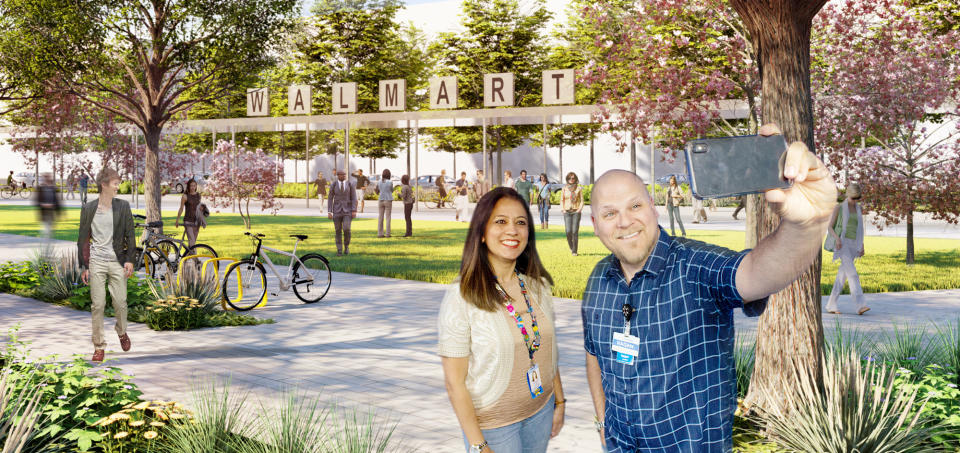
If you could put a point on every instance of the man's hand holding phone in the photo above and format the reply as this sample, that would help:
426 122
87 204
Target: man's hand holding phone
813 195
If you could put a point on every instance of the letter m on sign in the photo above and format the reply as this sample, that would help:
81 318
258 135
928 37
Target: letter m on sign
258 102
393 95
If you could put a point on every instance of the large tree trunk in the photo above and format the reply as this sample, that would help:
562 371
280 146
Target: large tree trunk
151 173
910 237
791 328
592 179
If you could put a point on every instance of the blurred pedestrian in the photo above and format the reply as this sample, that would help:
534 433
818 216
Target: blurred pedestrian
461 199
741 202
84 182
406 194
674 198
848 247
384 190
47 201
543 200
342 209
441 188
106 247
10 179
190 205
320 184
523 186
504 385
571 203
361 187
482 186
508 180
699 213
71 185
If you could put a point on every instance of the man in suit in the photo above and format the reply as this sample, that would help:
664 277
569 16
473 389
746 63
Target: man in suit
342 208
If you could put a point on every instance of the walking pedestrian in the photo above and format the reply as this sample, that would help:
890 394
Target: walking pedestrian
658 313
406 194
361 187
508 180
482 186
342 209
384 204
71 186
674 197
699 213
461 199
47 201
106 248
571 203
848 247
543 201
523 186
497 337
320 184
84 181
741 202
441 183
190 204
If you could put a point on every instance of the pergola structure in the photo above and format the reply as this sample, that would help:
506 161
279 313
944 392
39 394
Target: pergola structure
504 116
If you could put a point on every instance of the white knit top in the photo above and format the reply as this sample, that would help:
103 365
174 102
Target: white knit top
485 337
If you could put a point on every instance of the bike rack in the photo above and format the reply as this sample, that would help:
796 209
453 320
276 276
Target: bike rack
223 301
203 267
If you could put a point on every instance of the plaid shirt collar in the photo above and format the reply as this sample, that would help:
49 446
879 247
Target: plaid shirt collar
655 262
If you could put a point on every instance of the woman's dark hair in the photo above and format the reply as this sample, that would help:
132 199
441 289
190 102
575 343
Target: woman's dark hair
543 176
195 185
573 175
386 175
405 179
477 282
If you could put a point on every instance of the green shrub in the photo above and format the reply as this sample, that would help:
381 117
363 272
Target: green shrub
908 346
294 190
125 188
63 278
180 313
72 395
743 359
935 385
948 337
16 277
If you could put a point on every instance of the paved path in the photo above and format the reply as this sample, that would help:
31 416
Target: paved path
721 219
370 344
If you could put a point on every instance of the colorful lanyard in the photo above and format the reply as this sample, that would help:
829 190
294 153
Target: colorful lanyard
533 346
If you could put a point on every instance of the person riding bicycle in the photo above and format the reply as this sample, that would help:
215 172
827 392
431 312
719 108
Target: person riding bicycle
10 179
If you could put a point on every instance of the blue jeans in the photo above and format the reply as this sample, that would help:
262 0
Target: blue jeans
526 436
544 213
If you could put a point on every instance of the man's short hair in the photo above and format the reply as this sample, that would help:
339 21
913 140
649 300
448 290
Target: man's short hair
106 175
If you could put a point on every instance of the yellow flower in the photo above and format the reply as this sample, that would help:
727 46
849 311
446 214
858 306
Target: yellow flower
158 424
150 434
120 416
137 423
120 435
176 416
102 421
142 405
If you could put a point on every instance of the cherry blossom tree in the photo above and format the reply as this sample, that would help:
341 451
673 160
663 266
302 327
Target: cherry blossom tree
882 77
663 67
254 178
48 126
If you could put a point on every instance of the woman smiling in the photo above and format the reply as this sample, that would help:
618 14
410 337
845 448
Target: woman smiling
496 334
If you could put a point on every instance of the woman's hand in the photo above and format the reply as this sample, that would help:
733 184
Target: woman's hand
558 412
860 255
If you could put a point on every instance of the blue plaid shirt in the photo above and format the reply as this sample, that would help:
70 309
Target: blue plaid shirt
679 395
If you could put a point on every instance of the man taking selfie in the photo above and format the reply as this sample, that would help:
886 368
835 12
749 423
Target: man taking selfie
658 312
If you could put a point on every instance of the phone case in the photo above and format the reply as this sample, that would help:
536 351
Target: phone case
734 166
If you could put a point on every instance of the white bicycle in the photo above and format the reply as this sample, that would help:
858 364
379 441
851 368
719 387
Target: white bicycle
245 281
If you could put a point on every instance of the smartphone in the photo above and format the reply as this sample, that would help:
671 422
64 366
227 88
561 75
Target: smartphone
733 166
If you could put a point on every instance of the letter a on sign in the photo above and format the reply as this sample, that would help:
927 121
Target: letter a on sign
558 87
258 102
443 92
498 90
345 97
298 100
393 95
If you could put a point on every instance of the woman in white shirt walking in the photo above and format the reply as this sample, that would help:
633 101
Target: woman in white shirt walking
496 334
848 248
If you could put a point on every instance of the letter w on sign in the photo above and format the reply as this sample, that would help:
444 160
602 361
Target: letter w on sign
393 95
258 102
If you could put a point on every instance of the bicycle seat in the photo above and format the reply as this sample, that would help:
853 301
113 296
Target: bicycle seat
157 224
138 216
257 235
301 237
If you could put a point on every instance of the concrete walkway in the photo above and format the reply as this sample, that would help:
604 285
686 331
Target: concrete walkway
371 343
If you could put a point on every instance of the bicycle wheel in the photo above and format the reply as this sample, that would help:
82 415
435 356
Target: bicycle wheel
160 260
244 284
311 278
203 250
24 193
6 192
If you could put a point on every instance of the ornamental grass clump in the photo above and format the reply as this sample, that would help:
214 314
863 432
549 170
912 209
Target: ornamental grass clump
140 426
857 408
61 279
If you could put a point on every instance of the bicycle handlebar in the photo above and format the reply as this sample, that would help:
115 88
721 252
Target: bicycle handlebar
256 235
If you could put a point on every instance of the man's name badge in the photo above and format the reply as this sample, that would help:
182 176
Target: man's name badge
626 346
533 381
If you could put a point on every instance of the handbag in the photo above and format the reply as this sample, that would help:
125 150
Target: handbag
830 244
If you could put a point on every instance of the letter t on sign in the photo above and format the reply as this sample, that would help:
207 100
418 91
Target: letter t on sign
558 87
258 102
498 90
345 97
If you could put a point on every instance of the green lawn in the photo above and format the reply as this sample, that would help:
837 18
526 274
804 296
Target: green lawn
433 254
